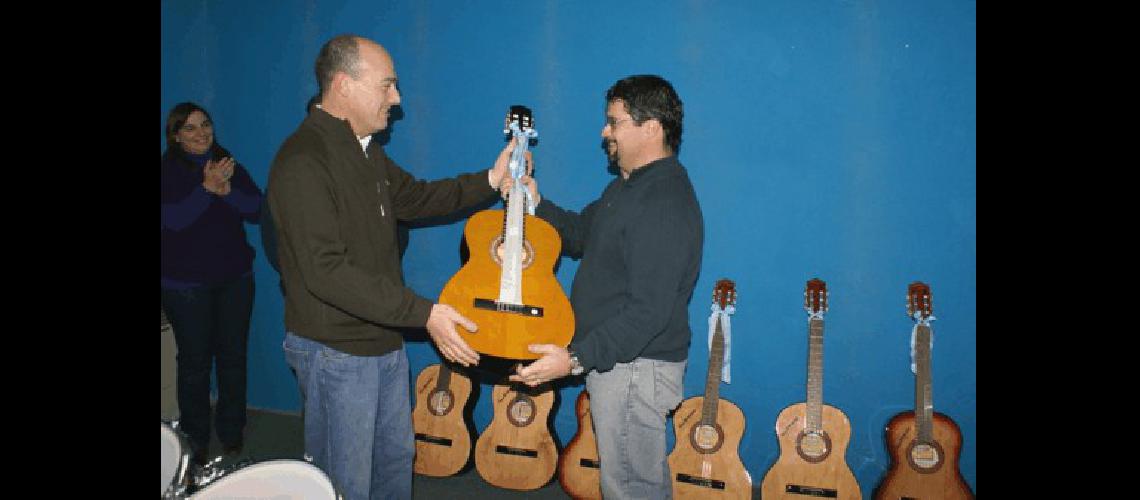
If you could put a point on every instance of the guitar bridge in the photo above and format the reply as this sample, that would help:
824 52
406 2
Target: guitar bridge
518 452
700 481
811 491
494 305
433 439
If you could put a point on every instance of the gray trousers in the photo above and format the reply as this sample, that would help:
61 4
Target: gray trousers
629 405
169 373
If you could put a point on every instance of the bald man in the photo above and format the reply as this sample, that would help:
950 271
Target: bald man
335 198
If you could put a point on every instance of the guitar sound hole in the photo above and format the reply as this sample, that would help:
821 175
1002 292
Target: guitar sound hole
813 446
497 252
521 411
925 457
706 438
440 402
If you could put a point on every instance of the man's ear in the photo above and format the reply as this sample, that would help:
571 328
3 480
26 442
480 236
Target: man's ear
340 83
652 127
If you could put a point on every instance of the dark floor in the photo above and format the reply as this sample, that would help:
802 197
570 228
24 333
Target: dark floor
271 435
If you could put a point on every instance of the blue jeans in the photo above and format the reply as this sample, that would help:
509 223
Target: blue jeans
358 417
629 405
211 324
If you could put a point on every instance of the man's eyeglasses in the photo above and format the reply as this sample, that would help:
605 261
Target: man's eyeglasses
612 124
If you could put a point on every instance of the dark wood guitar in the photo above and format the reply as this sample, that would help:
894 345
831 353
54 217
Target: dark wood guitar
507 287
704 462
517 451
924 445
578 466
443 440
813 436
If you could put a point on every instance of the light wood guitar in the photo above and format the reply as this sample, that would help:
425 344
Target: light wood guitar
443 440
924 445
578 466
813 436
704 462
507 286
517 451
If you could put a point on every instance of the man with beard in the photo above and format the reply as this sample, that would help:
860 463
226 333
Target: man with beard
640 245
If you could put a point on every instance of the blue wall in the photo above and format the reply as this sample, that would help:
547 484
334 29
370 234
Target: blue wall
828 139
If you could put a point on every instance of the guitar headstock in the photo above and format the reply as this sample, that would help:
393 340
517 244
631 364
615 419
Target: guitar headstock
919 299
724 293
815 296
522 116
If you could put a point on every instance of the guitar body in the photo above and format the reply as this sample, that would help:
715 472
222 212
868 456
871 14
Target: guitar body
507 334
828 471
516 451
578 465
915 474
443 441
708 458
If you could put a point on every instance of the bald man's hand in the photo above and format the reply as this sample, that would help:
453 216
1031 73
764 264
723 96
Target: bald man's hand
441 326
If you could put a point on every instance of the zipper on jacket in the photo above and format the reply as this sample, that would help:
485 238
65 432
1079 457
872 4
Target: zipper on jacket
379 192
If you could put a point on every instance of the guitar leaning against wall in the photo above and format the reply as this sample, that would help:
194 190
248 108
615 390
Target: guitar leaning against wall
578 466
704 461
443 439
813 436
924 445
517 451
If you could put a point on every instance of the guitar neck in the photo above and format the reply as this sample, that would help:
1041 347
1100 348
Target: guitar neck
443 381
510 280
923 388
815 375
712 380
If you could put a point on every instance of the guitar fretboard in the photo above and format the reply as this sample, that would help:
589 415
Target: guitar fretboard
712 380
923 388
815 375
443 381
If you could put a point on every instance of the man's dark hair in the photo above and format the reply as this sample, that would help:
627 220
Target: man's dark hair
342 53
651 97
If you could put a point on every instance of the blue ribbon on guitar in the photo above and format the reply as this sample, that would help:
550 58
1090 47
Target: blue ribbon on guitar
518 160
726 329
919 321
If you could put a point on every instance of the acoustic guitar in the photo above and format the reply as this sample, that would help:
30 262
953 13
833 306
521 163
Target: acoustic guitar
507 286
578 466
704 462
813 436
443 439
517 451
924 445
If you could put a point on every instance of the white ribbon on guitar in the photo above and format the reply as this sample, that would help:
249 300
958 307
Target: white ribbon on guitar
726 329
919 321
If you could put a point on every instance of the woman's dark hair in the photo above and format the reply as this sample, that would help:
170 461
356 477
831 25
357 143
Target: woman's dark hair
174 122
177 118
651 97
